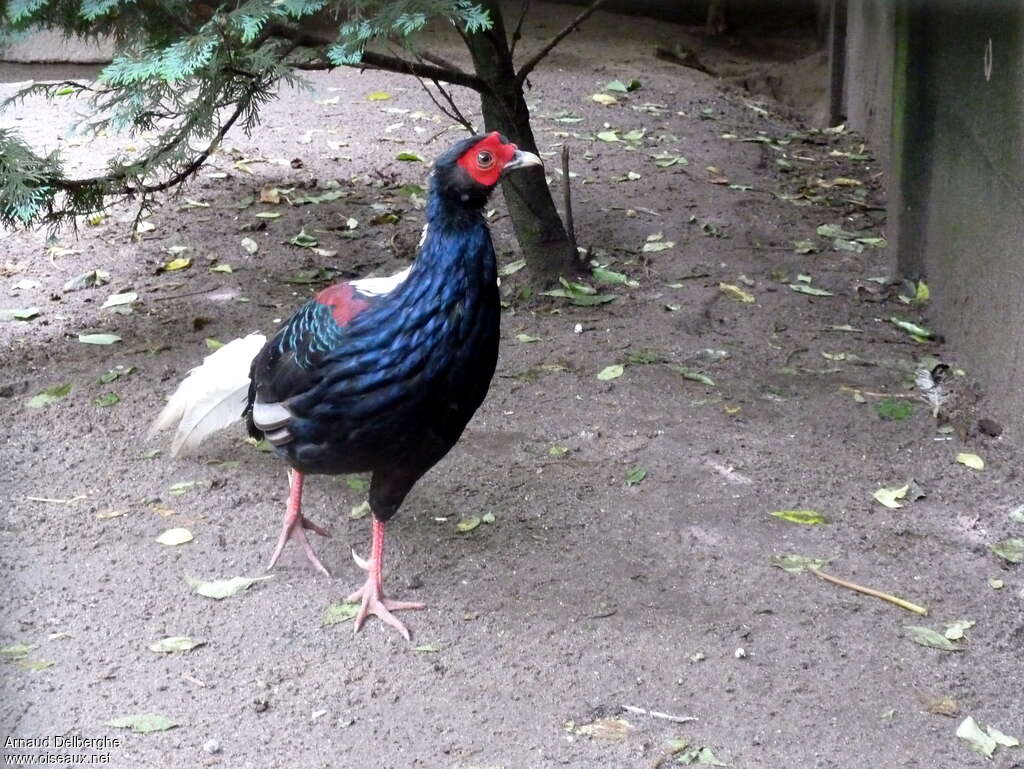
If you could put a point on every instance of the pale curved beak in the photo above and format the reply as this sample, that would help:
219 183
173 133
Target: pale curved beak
521 159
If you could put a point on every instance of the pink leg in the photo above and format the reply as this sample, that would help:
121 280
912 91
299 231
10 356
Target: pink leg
295 525
371 594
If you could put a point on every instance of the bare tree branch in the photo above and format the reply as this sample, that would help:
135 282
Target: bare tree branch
536 59
518 33
453 112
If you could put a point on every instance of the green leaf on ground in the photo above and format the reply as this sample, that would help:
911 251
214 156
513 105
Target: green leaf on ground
802 288
955 630
933 639
893 409
796 564
143 723
635 476
339 612
1011 550
1001 738
611 372
667 160
558 451
976 739
409 157
805 517
181 487
357 483
427 648
48 396
511 268
249 245
177 643
303 240
117 300
972 461
115 373
619 87
219 589
24 314
467 524
735 292
612 278
889 497
88 279
693 375
918 332
175 536
835 231
98 338
615 729
360 511
16 651
36 665
107 399
699 755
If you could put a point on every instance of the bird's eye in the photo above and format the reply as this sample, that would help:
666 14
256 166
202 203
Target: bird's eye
484 159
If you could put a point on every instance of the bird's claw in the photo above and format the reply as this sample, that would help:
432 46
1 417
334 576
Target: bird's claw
295 526
372 601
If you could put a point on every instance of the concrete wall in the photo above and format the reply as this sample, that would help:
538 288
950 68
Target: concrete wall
868 71
963 152
47 47
951 75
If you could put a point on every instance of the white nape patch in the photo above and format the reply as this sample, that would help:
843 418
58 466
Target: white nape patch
380 286
423 236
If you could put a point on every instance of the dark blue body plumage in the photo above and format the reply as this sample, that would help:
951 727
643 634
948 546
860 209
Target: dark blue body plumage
388 383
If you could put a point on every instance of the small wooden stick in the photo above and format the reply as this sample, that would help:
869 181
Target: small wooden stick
868 591
658 714
567 193
868 393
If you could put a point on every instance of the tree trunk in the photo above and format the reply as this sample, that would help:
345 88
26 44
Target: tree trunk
539 230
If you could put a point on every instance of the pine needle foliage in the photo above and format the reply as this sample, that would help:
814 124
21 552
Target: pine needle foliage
186 71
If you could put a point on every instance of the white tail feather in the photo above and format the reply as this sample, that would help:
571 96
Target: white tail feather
212 396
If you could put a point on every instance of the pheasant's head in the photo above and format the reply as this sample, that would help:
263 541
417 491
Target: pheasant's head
470 170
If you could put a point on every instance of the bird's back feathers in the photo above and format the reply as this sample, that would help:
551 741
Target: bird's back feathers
212 396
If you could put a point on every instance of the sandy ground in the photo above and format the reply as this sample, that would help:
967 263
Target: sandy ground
591 590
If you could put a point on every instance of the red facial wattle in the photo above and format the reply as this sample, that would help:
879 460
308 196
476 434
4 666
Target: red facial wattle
475 160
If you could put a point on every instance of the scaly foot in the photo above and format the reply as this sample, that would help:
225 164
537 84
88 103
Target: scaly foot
295 525
371 594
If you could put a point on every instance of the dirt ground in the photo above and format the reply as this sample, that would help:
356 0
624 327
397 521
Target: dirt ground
592 589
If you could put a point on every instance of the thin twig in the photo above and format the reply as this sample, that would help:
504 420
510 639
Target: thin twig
567 199
659 714
518 33
913 607
182 296
536 59
451 111
869 394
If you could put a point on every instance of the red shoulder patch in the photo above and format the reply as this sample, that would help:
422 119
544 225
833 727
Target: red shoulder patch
342 300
